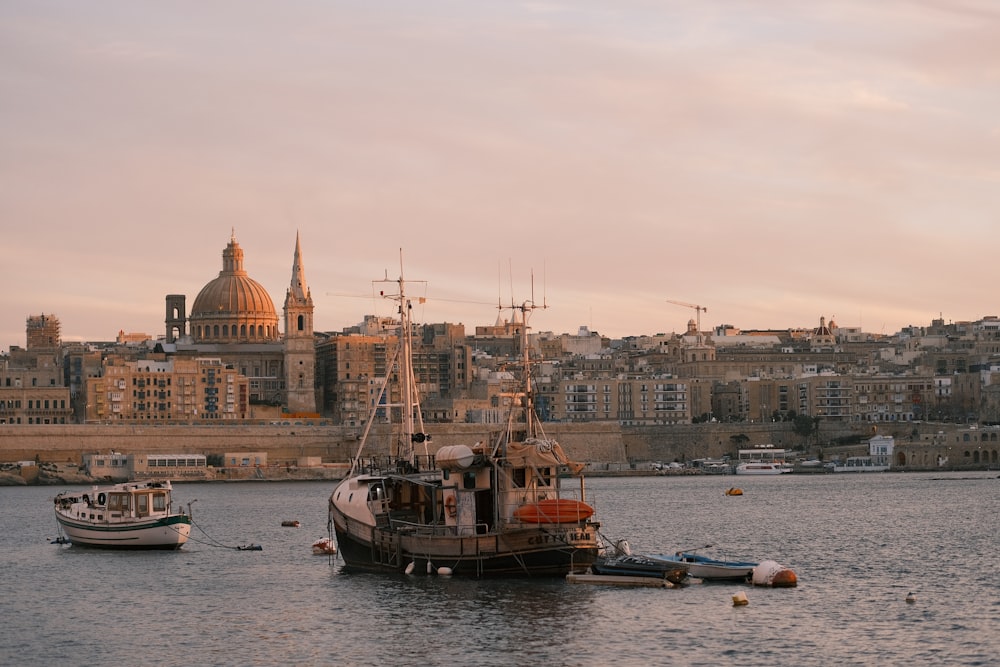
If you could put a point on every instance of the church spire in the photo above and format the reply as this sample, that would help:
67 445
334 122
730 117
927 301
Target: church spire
300 349
298 288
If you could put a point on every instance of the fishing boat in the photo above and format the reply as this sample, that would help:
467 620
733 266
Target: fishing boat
709 569
498 507
132 515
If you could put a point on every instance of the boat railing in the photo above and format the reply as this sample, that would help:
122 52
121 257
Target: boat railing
382 464
438 529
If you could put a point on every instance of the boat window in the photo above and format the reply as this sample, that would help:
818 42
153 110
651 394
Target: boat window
142 503
159 502
469 479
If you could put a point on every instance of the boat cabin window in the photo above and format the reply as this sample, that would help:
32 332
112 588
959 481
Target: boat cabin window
159 502
118 502
142 504
469 479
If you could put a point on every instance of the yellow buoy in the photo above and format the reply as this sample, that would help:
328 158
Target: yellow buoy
740 599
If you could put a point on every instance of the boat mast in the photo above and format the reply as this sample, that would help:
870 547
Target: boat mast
528 393
411 419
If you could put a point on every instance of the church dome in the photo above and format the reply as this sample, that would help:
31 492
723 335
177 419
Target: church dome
233 308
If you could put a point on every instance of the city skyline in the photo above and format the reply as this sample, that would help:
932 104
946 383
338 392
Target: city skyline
828 159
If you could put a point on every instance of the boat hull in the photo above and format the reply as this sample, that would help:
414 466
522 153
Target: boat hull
165 533
640 566
529 551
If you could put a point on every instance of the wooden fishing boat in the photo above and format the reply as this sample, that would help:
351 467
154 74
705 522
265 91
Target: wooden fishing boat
498 507
133 515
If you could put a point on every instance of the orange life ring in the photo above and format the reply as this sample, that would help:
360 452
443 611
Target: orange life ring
449 504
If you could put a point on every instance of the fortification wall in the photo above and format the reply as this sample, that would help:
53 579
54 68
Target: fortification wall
589 442
332 444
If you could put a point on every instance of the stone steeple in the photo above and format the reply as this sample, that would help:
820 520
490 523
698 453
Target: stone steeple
300 348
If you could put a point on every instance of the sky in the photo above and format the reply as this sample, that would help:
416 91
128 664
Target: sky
772 162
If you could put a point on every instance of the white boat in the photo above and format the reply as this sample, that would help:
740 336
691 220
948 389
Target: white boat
709 569
764 460
324 547
133 515
762 469
496 507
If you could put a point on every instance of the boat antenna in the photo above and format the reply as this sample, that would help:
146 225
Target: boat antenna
409 400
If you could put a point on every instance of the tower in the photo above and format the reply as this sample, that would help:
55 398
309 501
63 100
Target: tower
176 317
300 348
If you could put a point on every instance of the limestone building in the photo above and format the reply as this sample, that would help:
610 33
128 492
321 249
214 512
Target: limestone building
32 389
234 319
225 360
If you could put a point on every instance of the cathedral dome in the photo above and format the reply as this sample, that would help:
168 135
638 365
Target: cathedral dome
233 308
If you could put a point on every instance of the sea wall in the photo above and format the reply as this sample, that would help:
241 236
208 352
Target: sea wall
587 441
603 445
283 444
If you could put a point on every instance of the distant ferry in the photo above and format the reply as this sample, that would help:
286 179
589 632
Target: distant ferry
766 460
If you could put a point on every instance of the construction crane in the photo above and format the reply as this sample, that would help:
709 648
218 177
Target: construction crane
698 310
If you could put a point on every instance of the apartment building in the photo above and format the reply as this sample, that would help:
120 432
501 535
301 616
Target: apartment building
181 390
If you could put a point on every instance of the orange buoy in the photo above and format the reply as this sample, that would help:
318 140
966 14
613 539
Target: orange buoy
784 579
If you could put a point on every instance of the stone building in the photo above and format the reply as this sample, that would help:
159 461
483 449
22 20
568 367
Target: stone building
234 319
178 389
32 387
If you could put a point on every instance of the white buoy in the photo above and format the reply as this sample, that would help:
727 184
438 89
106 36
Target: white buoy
740 599
444 571
409 568
770 573
911 598
430 568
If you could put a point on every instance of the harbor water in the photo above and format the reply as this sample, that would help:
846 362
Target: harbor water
859 544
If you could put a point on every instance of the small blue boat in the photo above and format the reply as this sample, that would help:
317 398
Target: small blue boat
633 565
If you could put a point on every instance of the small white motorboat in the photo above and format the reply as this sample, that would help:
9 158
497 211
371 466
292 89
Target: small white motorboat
324 547
709 569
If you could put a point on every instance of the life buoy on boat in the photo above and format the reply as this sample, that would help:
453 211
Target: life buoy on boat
451 506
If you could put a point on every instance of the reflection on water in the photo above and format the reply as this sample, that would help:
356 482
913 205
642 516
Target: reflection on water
858 543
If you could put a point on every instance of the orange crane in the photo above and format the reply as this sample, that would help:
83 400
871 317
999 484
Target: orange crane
698 309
